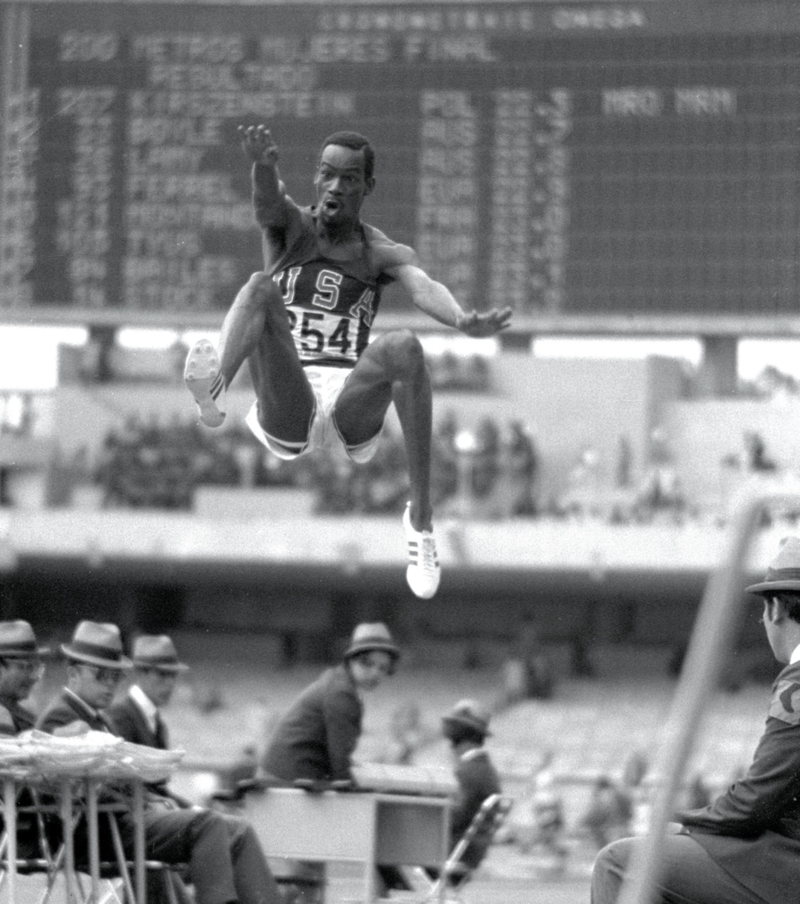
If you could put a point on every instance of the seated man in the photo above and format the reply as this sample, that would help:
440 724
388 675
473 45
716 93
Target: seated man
744 847
316 737
136 715
226 863
20 669
467 727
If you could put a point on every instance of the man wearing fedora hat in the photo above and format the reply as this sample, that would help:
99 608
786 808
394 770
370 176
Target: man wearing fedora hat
466 727
156 669
744 848
316 737
20 669
95 665
226 863
137 714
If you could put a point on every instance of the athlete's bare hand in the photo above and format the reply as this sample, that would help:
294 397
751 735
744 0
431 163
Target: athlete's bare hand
484 323
258 144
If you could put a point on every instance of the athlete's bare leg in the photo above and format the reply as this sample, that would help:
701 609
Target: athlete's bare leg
241 328
285 398
210 371
393 369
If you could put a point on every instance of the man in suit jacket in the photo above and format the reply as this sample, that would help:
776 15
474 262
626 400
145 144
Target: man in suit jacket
467 727
744 847
226 862
156 669
137 715
20 669
316 737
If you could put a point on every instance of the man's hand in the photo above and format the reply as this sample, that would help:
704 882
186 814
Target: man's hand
258 144
72 729
485 323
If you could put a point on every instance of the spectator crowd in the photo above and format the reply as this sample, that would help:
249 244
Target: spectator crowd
492 469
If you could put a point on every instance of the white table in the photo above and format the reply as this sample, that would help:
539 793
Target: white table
77 780
352 826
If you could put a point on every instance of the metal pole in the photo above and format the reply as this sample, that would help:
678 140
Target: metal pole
10 813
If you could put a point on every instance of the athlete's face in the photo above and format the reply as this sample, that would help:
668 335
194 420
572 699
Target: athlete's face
341 184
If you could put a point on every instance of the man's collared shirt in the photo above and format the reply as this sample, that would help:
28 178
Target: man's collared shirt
146 705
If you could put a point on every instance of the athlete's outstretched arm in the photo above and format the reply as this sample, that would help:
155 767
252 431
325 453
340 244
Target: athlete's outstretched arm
269 193
436 300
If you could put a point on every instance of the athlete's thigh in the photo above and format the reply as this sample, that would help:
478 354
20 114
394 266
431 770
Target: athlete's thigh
364 399
285 398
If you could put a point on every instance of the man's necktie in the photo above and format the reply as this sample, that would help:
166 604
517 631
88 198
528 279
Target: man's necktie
161 733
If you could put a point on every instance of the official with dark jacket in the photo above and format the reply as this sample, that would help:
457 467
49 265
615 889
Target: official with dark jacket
467 727
136 715
744 848
156 668
316 737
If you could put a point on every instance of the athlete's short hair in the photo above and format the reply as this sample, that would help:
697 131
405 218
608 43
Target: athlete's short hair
356 142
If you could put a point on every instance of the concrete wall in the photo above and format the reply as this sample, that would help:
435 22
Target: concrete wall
705 431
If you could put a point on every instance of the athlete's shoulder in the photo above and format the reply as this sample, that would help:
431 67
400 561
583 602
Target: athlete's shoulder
384 252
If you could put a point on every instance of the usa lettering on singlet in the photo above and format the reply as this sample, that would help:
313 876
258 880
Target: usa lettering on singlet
330 311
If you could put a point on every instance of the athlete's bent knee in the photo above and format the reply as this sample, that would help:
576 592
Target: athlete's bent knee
404 351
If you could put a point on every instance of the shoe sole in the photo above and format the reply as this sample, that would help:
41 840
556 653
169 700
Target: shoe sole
202 369
427 595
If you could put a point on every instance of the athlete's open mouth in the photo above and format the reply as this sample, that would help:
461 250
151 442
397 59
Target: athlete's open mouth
331 205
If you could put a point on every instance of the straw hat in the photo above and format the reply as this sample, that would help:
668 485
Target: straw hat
467 714
17 641
369 636
97 643
156 651
783 572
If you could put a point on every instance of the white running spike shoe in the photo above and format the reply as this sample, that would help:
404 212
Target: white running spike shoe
204 381
423 573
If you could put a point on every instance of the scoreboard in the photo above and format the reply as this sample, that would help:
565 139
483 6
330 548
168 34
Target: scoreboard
590 160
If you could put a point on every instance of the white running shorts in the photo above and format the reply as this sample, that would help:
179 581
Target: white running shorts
326 383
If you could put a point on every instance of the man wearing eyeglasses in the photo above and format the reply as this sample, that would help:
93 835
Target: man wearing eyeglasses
20 669
226 862
744 848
